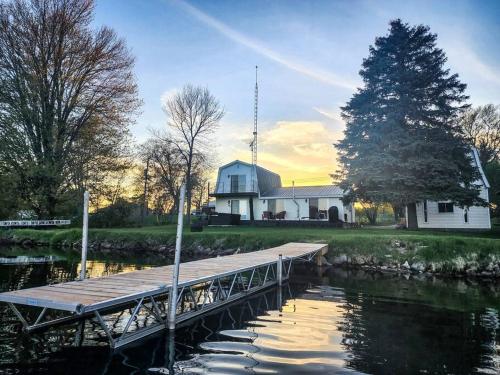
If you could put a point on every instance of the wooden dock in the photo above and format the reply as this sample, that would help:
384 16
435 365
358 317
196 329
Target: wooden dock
203 286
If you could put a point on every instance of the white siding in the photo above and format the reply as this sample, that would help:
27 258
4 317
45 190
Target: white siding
224 179
288 205
478 217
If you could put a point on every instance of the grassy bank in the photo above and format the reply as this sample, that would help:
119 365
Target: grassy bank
441 251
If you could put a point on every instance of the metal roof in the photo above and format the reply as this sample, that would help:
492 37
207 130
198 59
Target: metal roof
266 179
323 191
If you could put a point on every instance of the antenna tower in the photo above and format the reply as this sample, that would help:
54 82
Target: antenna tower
253 145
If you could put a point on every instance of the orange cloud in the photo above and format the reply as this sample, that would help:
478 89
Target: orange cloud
300 151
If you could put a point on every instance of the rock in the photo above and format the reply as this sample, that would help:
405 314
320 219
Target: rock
418 267
325 262
405 265
106 245
27 243
339 260
160 370
359 259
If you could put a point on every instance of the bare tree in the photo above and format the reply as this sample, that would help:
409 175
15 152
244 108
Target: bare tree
193 116
166 171
199 188
370 211
63 86
481 125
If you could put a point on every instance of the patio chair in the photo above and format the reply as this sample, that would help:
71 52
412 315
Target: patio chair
280 215
267 215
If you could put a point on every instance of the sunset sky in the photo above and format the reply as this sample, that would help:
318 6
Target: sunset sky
309 54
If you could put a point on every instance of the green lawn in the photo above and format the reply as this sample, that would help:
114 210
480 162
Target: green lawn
448 248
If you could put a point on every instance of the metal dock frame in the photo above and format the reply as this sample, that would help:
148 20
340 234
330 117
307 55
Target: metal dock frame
194 298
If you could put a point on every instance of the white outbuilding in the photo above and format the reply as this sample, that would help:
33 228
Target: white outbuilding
446 215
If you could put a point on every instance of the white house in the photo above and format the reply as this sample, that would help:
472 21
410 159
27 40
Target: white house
445 215
256 193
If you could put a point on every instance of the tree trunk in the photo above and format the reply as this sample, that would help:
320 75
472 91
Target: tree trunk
398 212
411 219
188 191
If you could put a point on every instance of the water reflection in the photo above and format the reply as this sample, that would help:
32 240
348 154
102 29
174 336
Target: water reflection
331 322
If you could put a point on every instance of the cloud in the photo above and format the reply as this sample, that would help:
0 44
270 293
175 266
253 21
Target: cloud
258 47
297 150
332 115
166 95
467 61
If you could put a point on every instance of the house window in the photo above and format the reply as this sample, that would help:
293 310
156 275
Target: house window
238 183
426 217
445 207
466 215
235 206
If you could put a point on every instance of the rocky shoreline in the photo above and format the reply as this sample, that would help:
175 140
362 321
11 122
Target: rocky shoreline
457 267
124 247
398 258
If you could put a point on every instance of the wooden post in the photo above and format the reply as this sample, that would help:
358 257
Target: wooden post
85 234
279 270
172 300
319 259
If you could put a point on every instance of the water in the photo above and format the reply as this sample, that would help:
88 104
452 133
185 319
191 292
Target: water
325 322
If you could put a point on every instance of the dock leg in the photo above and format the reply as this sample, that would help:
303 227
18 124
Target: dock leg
280 270
171 352
279 298
172 300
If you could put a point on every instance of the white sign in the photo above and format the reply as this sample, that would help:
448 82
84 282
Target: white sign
33 223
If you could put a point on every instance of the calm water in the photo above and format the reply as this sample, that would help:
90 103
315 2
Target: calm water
328 322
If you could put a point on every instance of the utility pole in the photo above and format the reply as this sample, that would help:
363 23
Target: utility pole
255 118
253 144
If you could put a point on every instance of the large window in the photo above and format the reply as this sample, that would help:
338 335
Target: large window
238 183
445 207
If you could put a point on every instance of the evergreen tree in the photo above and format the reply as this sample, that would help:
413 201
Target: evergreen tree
402 142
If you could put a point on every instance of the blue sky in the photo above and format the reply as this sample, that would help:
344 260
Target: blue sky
309 54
